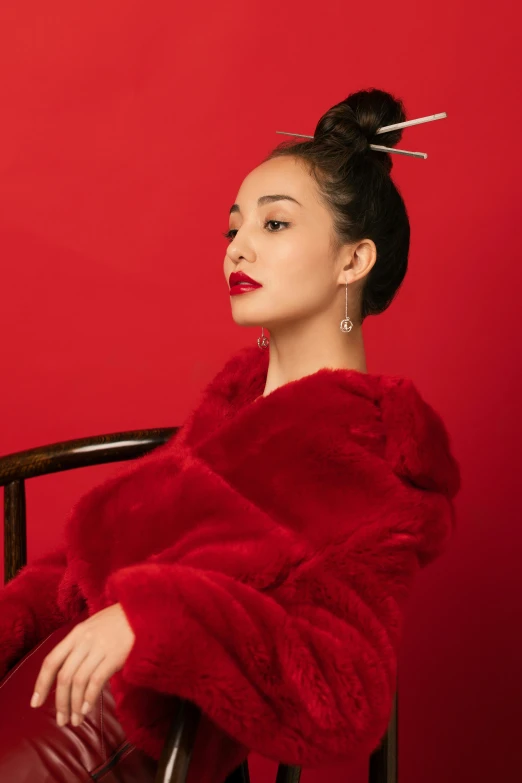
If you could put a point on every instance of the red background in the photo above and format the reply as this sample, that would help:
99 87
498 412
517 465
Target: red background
126 130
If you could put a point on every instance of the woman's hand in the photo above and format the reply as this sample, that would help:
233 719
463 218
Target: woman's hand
84 660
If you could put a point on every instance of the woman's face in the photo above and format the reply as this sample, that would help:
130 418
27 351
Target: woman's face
283 245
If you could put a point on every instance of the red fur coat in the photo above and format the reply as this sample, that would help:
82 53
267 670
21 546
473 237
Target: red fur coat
263 556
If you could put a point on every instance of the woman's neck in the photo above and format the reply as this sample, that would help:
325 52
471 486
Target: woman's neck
290 361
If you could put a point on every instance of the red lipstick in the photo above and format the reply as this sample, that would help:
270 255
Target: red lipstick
241 283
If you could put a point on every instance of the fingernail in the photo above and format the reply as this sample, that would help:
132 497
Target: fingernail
34 699
85 707
60 719
76 719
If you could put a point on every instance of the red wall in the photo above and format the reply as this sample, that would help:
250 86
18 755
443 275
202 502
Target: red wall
123 140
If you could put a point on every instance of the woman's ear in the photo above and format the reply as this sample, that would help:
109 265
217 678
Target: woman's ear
359 261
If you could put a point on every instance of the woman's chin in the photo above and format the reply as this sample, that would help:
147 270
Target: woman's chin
248 316
253 322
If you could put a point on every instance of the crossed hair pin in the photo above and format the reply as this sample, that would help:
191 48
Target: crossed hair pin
386 128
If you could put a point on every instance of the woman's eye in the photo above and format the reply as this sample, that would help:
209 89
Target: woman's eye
233 231
279 223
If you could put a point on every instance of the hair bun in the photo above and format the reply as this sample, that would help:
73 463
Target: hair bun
353 122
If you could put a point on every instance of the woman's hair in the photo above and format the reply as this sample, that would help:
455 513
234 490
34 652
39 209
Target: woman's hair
355 184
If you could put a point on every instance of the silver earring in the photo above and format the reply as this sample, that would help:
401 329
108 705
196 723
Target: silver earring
263 341
346 324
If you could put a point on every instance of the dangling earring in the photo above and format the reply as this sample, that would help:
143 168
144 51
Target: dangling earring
263 341
346 324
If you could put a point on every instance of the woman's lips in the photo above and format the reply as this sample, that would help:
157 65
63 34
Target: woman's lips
243 288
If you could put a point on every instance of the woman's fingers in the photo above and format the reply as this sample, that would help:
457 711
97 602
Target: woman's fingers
85 683
65 679
50 666
97 681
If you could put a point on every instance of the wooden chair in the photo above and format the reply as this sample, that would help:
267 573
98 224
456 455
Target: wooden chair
115 447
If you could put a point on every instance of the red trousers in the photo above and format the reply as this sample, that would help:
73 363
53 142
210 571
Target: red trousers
34 749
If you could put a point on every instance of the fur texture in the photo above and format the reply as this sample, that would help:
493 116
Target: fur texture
263 557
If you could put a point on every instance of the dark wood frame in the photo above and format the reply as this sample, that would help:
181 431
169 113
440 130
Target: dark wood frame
16 468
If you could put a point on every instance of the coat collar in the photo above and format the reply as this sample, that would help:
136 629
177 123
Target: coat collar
416 442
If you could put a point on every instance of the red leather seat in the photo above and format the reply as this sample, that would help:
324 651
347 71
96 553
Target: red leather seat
34 749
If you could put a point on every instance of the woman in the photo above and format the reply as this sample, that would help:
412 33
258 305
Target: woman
258 563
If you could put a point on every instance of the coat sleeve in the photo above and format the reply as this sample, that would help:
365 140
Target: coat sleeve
289 648
29 606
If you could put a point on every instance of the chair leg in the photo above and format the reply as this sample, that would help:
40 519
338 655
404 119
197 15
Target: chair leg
288 774
384 759
177 750
239 775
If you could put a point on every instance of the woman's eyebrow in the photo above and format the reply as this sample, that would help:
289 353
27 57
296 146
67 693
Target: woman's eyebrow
266 200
